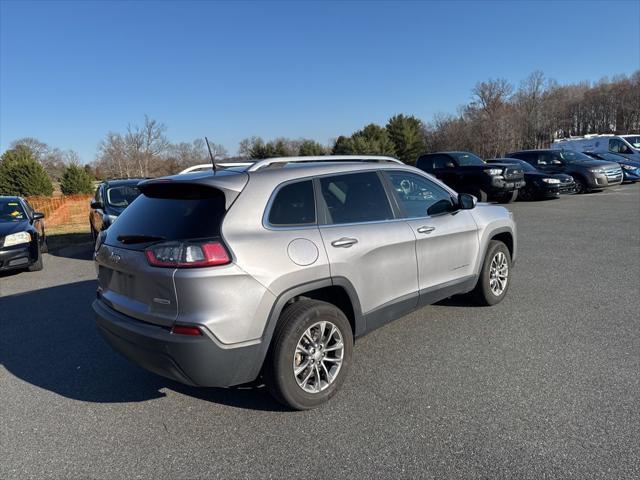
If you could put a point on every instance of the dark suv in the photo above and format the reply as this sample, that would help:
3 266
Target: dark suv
589 174
111 198
468 173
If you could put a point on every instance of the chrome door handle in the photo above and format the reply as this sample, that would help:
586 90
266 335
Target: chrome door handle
344 242
426 229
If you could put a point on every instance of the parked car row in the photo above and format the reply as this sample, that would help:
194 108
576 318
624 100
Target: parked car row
529 174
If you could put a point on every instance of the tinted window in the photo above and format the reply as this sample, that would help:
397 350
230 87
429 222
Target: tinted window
442 161
465 159
618 146
353 198
425 162
294 205
526 156
549 158
526 167
633 140
418 196
171 217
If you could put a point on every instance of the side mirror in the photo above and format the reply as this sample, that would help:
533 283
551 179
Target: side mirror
38 215
466 201
96 204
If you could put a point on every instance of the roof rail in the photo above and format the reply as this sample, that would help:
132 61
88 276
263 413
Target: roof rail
321 158
207 166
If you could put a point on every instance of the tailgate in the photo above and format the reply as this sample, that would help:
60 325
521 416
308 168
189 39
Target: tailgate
131 286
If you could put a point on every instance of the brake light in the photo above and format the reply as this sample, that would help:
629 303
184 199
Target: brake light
187 254
186 330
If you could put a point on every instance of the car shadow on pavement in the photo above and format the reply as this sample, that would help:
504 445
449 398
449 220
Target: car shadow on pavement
48 338
71 245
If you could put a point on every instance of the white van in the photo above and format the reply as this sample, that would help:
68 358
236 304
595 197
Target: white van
626 145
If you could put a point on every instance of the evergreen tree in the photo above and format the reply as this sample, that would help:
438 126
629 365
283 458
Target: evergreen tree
76 180
406 134
21 174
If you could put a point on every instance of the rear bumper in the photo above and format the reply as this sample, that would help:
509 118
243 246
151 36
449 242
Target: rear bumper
197 361
20 256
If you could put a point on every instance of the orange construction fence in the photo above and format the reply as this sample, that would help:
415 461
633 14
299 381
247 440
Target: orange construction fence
65 210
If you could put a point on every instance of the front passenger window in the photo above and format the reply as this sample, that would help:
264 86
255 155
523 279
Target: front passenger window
418 196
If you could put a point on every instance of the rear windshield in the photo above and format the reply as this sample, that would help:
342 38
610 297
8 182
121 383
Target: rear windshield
465 159
161 218
122 195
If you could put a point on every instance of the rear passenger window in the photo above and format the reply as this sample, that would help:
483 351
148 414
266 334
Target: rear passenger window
294 205
354 198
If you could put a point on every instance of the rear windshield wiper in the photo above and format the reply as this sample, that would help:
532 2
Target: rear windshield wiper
139 238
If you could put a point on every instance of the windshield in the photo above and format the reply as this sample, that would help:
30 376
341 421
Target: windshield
571 157
612 157
122 196
11 211
634 140
526 167
465 159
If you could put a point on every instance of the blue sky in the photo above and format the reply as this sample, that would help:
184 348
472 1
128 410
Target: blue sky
72 71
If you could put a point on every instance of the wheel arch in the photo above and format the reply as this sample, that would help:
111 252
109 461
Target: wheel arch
337 291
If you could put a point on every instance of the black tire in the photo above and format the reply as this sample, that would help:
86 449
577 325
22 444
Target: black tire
44 248
278 372
581 186
525 195
482 294
508 197
37 265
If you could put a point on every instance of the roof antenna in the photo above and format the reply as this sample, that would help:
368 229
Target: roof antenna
213 163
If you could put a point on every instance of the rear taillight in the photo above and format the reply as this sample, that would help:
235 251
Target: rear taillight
187 254
186 330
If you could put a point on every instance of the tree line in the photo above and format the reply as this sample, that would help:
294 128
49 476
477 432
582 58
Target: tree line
499 118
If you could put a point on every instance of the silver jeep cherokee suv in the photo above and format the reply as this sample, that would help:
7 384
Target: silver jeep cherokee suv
271 271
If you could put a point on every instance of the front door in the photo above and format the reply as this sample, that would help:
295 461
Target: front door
447 237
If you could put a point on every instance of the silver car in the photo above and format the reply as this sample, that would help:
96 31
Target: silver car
271 271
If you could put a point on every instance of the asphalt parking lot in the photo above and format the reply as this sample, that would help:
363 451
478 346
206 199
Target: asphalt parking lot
543 385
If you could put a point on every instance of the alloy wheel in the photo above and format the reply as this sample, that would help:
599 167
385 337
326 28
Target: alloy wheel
318 357
498 274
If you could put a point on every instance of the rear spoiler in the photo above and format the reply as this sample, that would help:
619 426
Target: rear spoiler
197 185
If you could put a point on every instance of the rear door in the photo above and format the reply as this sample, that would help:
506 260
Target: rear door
447 238
368 246
127 282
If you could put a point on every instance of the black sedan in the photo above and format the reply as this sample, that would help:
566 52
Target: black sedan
540 185
22 235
